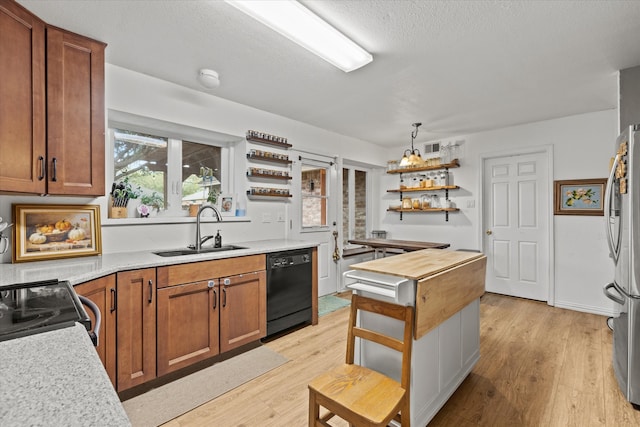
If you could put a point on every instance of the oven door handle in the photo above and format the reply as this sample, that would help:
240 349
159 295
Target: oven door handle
94 334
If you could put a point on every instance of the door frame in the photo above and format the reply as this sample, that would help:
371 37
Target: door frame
294 227
546 150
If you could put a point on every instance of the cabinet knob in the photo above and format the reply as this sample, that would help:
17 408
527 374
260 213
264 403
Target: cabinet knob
489 232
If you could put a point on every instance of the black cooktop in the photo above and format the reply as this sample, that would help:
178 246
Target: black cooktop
30 308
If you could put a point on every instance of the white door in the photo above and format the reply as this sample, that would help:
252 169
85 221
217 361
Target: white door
314 204
516 212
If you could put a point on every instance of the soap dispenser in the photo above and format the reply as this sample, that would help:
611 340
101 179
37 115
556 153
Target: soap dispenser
218 243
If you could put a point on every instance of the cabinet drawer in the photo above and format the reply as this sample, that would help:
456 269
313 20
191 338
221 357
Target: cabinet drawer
197 271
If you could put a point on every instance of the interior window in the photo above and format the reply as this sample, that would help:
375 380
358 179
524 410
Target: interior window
354 203
314 195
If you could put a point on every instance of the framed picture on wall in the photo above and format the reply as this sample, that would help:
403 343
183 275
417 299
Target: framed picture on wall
45 232
579 197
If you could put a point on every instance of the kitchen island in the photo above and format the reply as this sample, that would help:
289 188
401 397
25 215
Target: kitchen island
444 287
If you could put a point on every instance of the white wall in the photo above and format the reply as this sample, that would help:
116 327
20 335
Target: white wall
139 94
582 146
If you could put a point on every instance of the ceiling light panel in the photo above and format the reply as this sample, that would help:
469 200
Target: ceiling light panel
299 24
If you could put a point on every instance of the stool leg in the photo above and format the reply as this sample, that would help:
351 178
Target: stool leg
314 409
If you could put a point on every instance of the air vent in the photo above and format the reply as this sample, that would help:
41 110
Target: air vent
433 147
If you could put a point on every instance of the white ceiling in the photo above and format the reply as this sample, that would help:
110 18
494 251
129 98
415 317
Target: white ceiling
456 66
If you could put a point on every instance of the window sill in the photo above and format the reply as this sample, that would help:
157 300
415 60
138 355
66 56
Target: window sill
108 222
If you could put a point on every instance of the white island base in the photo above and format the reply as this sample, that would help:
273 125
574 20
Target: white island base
440 360
445 288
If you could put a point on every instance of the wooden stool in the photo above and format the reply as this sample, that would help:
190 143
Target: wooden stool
359 395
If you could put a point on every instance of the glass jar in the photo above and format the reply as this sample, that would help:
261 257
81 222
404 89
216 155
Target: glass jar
425 202
445 154
444 178
392 165
435 203
416 204
415 182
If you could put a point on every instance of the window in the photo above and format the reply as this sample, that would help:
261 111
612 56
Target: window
315 195
354 203
175 172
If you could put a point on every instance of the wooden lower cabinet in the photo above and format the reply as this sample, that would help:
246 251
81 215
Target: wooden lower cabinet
151 328
243 309
136 327
187 325
102 293
201 314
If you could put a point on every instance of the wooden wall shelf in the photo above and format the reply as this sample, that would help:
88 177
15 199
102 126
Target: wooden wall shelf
268 142
423 189
268 176
453 164
268 159
267 195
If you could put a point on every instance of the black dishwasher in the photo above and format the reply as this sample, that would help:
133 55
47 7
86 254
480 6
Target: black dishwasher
289 289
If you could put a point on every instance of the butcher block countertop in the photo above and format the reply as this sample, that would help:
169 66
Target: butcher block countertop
446 282
418 265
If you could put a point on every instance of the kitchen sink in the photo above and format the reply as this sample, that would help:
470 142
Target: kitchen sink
188 251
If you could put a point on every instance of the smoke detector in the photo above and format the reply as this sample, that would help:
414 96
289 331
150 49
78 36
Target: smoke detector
209 78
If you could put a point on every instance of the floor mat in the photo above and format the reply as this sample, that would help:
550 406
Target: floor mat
175 398
329 303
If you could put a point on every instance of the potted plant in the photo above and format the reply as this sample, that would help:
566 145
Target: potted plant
208 182
154 202
122 193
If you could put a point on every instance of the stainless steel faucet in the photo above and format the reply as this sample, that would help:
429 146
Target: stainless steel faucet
198 244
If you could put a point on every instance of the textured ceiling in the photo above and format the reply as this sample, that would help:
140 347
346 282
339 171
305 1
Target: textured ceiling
455 66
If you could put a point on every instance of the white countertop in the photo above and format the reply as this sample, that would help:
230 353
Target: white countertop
55 378
83 269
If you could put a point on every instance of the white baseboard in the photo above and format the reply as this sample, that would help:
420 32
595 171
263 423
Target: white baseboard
584 308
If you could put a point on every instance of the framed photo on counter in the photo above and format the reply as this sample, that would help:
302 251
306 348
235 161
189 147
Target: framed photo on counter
44 232
227 205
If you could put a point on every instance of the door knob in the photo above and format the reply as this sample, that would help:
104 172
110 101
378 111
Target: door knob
489 232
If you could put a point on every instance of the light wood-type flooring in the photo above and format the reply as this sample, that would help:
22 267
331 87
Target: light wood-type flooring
539 366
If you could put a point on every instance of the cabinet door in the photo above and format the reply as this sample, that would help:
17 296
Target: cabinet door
243 309
102 293
187 325
136 327
22 100
75 114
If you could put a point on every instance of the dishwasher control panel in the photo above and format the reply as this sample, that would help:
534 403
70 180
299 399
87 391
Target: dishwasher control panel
288 260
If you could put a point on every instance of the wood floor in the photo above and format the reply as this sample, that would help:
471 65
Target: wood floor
539 366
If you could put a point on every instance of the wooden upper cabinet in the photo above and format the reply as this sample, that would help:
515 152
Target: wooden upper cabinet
52 126
75 111
22 100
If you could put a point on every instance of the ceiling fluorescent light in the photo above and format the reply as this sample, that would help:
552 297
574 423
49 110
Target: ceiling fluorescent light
299 24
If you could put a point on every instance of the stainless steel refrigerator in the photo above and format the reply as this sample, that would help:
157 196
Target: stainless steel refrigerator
622 218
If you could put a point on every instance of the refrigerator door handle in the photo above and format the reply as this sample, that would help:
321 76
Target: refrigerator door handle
615 298
607 210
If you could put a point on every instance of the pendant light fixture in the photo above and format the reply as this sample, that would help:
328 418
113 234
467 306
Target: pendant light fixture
411 158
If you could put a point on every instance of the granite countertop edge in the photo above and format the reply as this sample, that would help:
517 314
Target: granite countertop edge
83 269
56 378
